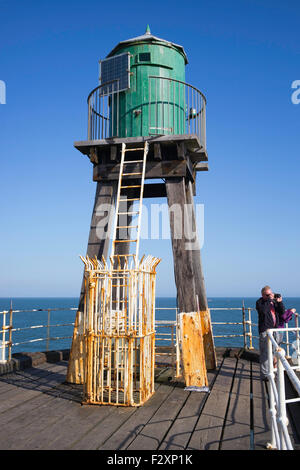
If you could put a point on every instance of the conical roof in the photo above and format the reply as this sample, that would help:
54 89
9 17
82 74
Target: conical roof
147 37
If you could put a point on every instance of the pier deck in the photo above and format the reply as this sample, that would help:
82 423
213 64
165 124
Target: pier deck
38 410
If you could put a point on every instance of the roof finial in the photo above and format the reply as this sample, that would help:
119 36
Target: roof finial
148 30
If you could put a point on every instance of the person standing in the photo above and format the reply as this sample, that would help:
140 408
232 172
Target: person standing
270 314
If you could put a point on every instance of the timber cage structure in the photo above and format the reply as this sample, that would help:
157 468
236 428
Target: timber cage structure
119 331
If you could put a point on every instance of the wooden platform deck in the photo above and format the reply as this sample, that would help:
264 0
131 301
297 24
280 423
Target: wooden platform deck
38 410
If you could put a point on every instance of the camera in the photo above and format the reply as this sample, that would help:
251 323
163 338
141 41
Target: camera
277 296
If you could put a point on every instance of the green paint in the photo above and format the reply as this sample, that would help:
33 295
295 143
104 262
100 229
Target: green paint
151 56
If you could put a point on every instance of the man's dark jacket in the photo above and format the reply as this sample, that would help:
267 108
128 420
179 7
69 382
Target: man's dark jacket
265 318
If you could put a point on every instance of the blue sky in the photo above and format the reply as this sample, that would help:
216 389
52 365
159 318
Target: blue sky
243 55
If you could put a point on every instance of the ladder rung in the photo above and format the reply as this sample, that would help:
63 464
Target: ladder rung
133 186
123 301
119 285
134 212
139 176
124 241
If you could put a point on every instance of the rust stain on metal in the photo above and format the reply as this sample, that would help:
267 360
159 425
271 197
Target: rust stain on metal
119 336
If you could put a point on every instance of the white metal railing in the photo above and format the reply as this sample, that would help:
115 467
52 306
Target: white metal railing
165 330
7 329
279 422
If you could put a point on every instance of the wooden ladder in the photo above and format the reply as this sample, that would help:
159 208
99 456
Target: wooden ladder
125 167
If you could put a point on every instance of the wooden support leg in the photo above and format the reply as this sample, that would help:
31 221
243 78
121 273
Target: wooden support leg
210 355
183 262
101 224
192 346
195 249
98 245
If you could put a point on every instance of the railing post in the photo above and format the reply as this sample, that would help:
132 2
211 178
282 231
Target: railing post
10 332
250 329
297 340
177 347
244 326
204 124
287 341
281 416
89 120
173 345
48 330
272 402
3 345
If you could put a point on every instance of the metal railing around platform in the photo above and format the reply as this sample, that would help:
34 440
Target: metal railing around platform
175 107
103 111
172 107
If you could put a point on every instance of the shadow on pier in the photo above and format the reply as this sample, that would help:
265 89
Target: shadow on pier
39 410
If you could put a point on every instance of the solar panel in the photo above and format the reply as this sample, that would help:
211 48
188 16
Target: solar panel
116 68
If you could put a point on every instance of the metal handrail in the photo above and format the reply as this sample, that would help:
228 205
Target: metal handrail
177 108
103 104
9 328
170 339
246 323
183 83
277 398
174 108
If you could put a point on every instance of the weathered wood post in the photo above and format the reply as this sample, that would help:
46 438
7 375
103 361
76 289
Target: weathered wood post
208 341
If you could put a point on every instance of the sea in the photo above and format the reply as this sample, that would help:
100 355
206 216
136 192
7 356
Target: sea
30 327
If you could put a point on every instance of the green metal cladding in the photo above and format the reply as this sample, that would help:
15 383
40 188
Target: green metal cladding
152 106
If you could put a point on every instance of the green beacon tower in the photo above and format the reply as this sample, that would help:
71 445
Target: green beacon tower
154 101
143 92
